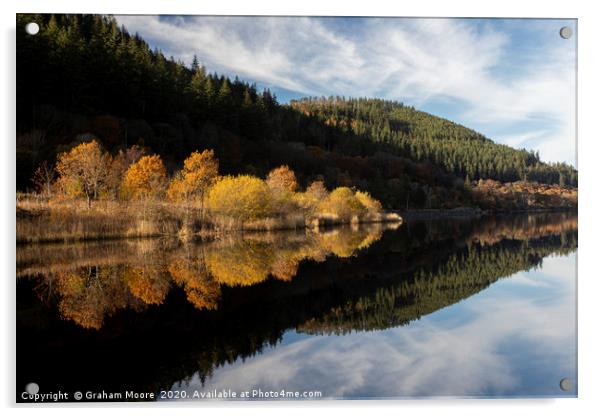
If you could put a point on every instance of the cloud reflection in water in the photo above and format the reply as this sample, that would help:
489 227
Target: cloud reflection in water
516 338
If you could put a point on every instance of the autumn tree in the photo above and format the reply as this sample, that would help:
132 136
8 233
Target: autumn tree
83 170
147 283
119 166
191 184
243 263
315 193
282 179
283 184
88 294
145 179
342 242
240 198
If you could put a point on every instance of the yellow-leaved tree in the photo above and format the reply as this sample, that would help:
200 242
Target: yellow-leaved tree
200 287
240 198
83 170
191 184
145 180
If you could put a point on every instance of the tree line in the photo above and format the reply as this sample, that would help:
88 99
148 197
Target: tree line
89 172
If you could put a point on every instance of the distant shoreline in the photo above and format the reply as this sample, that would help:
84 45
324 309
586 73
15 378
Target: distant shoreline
470 212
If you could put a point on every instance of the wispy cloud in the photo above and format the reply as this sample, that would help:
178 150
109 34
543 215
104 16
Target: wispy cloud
506 78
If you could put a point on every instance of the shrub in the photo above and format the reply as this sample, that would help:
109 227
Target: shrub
342 203
312 197
372 205
241 198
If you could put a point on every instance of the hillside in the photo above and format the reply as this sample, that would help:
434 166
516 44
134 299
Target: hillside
425 137
83 77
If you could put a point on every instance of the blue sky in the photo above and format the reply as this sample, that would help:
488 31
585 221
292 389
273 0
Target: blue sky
511 79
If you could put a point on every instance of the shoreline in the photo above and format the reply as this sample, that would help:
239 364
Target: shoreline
313 225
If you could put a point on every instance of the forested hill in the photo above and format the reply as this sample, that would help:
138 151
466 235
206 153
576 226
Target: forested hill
427 138
84 77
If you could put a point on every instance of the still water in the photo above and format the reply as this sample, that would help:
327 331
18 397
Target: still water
477 308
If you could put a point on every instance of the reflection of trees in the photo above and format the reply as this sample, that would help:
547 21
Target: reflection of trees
88 294
344 242
240 263
201 289
404 275
143 268
430 288
147 284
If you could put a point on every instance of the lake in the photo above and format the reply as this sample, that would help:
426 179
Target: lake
442 308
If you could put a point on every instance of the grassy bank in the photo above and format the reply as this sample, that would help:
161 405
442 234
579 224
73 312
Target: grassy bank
42 220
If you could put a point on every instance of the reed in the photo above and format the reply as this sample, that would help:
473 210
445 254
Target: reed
41 219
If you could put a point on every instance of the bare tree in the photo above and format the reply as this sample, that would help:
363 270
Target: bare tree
43 178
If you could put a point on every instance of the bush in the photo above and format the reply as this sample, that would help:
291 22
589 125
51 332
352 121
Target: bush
241 198
372 205
343 203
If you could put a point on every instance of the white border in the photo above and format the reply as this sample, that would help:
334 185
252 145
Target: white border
589 95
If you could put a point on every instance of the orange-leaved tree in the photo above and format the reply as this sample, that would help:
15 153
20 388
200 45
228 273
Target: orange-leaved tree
191 184
83 170
282 179
315 193
283 184
145 180
119 166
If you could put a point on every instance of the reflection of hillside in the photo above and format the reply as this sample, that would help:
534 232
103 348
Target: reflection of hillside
462 275
398 277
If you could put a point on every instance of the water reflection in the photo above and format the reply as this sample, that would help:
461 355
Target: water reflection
159 313
506 341
106 277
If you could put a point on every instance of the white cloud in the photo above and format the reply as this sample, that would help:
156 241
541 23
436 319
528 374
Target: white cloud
477 66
